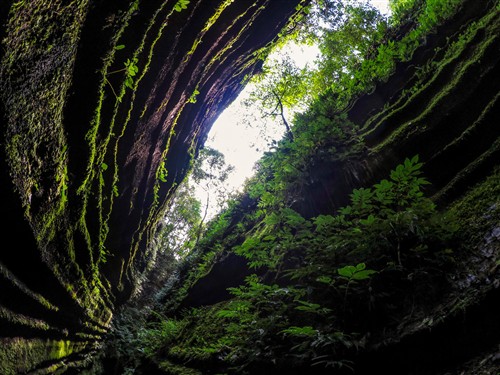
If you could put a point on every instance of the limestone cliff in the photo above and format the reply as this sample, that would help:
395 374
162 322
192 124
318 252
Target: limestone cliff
103 104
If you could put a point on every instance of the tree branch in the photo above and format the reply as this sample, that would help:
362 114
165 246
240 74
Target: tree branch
282 114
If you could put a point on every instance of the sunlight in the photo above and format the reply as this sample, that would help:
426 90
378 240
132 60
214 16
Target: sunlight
243 142
243 137
382 5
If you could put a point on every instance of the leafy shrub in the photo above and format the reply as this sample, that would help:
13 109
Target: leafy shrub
301 309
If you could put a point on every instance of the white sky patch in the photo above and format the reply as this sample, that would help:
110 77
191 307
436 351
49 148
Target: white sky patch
243 145
302 55
382 5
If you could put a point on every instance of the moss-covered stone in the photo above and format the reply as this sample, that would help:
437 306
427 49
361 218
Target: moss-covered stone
102 106
19 355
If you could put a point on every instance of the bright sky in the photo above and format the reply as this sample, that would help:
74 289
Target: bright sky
241 144
382 5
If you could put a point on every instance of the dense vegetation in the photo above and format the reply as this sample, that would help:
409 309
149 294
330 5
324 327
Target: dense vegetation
324 282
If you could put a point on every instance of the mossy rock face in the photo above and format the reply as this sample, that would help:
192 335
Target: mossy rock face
103 104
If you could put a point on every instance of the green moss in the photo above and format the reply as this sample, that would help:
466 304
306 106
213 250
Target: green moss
23 320
424 120
61 349
36 144
35 136
157 207
428 75
99 149
25 290
219 56
110 144
211 21
479 210
19 355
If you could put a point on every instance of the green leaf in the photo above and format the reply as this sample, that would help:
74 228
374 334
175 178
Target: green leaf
358 272
129 82
192 98
363 275
324 220
347 210
307 306
368 221
227 314
293 218
180 5
300 331
104 166
360 267
324 279
346 271
119 47
272 219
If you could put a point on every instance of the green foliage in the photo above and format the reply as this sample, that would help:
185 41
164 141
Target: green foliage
211 167
192 98
162 173
319 137
177 232
346 42
158 334
277 234
300 331
131 70
180 5
314 274
358 47
209 173
479 212
315 308
280 85
344 31
382 222
323 280
358 272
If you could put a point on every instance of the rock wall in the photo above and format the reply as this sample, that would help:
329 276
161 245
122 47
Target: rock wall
102 106
441 104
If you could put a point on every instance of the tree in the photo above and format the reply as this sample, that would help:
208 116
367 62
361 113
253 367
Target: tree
174 240
210 172
180 221
183 221
345 43
280 87
344 31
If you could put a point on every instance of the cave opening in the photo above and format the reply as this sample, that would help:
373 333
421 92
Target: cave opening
363 236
